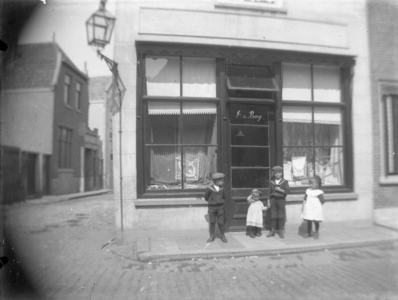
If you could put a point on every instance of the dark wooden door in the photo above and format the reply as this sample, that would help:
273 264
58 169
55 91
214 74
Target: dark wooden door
251 153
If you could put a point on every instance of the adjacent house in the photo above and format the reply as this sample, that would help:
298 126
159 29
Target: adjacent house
238 87
47 145
100 117
383 45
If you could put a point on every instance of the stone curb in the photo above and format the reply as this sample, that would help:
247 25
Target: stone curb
60 198
222 253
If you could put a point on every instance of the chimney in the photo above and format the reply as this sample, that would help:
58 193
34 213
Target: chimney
85 68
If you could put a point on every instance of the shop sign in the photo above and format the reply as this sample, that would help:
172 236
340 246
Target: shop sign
249 115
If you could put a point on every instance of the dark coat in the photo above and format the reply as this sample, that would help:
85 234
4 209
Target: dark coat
213 197
283 184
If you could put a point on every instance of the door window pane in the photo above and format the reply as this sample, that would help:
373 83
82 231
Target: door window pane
296 82
328 126
329 165
250 178
297 126
250 157
198 77
199 123
162 76
327 84
249 135
248 114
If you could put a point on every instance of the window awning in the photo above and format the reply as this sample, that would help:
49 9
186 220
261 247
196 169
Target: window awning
322 115
162 108
245 78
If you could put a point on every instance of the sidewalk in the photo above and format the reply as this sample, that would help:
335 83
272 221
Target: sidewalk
58 198
191 245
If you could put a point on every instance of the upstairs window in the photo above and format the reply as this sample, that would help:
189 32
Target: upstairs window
67 90
78 96
313 124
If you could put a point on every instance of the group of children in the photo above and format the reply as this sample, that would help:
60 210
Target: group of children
279 188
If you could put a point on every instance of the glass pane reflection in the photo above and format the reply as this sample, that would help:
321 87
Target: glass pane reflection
250 178
249 135
250 157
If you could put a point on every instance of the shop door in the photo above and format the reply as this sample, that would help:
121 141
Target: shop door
251 152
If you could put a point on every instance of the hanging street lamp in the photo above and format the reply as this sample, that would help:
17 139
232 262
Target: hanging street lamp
100 27
99 32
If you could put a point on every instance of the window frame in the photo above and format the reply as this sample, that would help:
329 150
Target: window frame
228 55
67 90
65 148
142 192
78 96
386 89
345 107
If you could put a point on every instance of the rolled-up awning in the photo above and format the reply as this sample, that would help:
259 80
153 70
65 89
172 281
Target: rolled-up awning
163 108
322 115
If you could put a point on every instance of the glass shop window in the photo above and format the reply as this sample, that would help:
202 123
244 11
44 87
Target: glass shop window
312 131
180 77
180 134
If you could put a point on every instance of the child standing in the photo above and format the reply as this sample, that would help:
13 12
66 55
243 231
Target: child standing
215 197
279 188
254 218
312 206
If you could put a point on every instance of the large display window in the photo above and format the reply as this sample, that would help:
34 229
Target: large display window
313 125
198 115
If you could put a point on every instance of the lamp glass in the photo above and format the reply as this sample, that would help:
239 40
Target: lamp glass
99 28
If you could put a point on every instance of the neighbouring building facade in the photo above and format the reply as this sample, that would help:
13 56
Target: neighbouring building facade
46 143
383 45
238 87
100 117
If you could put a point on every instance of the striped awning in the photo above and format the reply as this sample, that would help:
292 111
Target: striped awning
162 108
322 115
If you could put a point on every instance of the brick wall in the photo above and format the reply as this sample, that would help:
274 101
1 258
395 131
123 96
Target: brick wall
383 43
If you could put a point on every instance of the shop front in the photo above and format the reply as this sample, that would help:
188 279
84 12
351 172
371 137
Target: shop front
203 111
215 89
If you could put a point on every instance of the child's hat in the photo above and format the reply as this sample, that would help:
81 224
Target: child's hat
277 168
217 176
257 191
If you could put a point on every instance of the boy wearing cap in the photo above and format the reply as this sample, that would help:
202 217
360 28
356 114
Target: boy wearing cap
215 197
279 188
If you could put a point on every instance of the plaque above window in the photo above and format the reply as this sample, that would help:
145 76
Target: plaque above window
272 5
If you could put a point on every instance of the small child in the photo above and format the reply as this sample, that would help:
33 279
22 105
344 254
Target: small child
254 219
312 206
215 198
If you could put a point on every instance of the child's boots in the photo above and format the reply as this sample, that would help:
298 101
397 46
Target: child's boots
251 234
258 232
271 233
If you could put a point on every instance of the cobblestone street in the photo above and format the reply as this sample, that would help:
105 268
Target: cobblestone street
61 252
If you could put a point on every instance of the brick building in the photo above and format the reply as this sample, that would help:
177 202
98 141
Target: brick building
383 47
47 145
